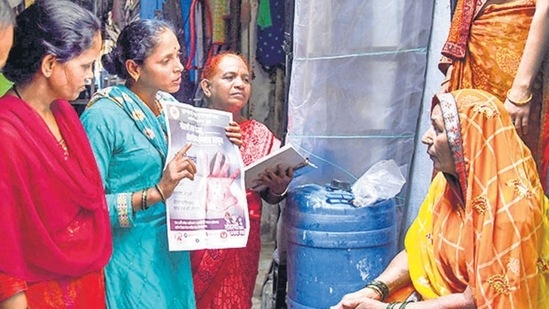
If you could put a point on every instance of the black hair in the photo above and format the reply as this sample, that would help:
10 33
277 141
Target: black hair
49 27
136 42
7 17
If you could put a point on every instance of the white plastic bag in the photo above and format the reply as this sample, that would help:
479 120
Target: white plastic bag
382 181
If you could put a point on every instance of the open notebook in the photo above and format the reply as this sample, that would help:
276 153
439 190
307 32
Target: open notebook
286 156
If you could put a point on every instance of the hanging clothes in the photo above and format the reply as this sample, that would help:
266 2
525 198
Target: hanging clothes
220 11
150 8
270 33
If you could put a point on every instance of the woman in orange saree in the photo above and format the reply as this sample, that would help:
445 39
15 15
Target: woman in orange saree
499 46
479 240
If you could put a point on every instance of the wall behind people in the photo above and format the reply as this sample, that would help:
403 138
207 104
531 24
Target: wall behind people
191 21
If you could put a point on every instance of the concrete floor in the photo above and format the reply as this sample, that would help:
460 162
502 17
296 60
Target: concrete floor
269 217
265 259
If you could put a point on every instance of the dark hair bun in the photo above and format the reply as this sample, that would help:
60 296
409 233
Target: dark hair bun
112 64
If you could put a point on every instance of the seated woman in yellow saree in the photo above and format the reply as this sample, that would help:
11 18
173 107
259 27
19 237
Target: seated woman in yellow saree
479 239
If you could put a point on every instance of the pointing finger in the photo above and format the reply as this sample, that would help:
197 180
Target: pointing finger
183 151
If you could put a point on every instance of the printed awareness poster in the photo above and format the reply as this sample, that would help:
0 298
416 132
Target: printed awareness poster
209 212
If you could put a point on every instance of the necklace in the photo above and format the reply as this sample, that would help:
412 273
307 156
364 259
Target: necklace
63 145
161 120
158 107
61 142
17 92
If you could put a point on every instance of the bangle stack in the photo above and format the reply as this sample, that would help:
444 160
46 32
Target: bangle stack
402 305
144 193
380 288
392 305
162 196
522 102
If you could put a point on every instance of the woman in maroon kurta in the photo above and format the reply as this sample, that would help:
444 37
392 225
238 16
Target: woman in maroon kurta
225 278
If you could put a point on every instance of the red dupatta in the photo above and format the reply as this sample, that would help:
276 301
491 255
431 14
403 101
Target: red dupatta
54 215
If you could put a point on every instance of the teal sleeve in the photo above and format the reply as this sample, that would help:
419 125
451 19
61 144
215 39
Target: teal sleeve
100 126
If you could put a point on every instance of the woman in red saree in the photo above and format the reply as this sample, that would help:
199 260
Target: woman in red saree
499 46
225 278
480 238
54 224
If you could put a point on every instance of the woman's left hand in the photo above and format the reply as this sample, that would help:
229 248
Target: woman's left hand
234 134
277 180
359 300
519 116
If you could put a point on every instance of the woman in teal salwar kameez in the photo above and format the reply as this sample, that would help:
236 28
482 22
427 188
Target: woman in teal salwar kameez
141 272
127 131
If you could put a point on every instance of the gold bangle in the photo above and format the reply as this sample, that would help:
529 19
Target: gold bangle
520 103
144 199
283 194
162 196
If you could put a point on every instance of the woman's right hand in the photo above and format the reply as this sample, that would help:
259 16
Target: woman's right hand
17 301
353 300
519 113
234 133
181 166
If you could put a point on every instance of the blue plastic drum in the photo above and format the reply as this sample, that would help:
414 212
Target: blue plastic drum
334 247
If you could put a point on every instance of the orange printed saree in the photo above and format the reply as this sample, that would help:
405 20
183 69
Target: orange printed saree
486 228
495 39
